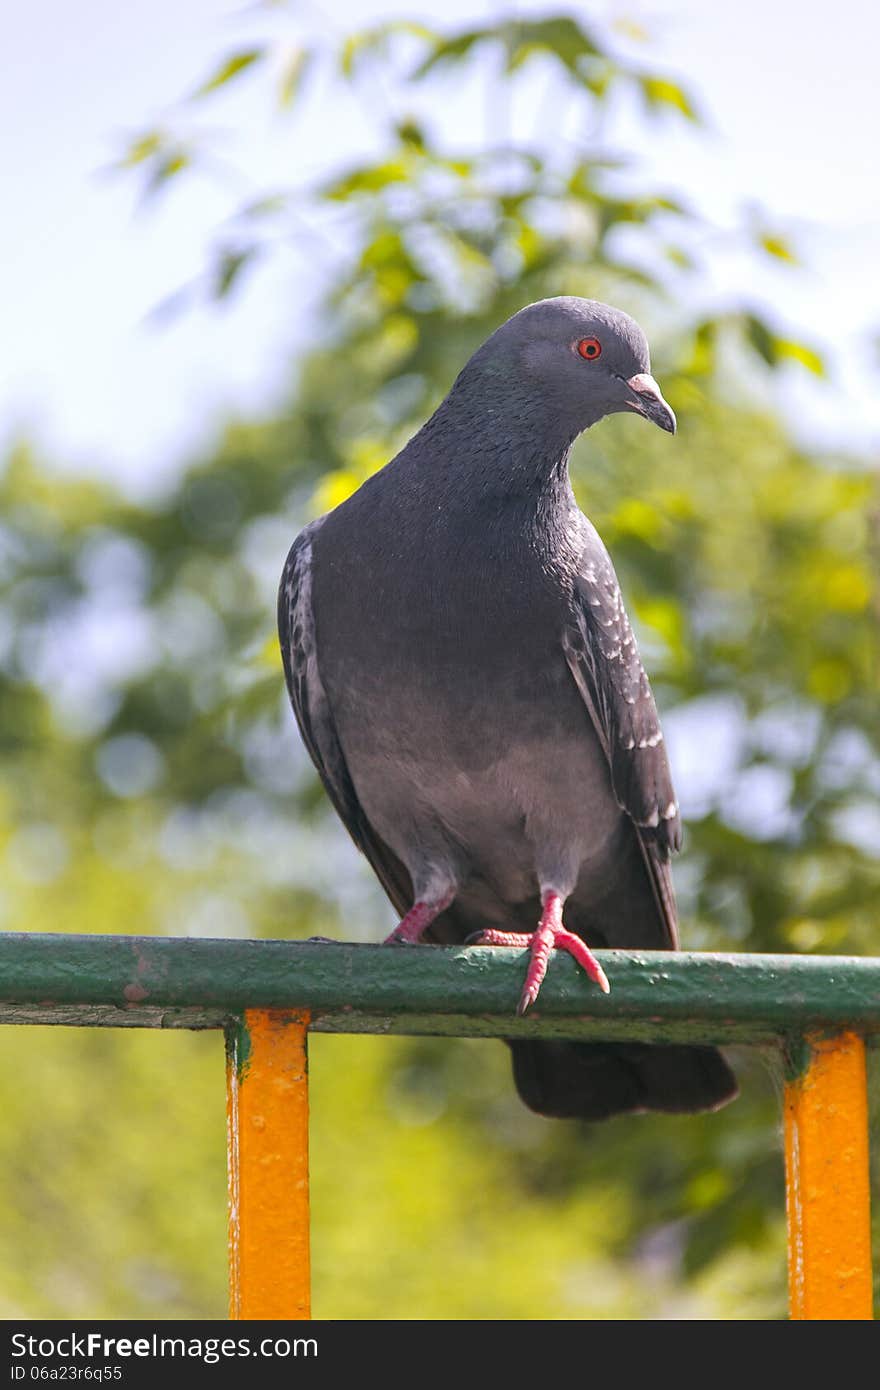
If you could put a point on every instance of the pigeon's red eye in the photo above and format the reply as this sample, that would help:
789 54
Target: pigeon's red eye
590 348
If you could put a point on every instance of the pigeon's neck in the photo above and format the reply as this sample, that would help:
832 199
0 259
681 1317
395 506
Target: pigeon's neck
511 457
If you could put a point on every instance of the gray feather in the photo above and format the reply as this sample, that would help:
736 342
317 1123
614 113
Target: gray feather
296 628
603 655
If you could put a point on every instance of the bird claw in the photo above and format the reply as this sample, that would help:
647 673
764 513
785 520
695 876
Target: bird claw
549 935
527 998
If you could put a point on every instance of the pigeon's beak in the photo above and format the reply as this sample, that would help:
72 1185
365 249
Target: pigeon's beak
647 400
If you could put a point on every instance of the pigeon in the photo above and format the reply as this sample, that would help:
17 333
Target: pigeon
469 688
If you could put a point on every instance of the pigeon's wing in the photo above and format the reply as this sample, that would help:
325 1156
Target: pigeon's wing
603 657
296 631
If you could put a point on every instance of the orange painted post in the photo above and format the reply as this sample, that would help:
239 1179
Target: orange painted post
828 1194
268 1151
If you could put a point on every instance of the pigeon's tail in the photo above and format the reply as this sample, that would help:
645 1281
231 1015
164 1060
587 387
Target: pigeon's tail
590 1081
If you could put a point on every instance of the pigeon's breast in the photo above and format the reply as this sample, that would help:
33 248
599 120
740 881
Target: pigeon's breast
502 789
460 722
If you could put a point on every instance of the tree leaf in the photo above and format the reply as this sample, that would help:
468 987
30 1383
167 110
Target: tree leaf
293 71
563 38
453 50
775 349
559 37
410 133
359 45
228 267
142 148
776 246
267 205
372 178
678 256
661 92
166 168
762 340
702 359
800 352
230 68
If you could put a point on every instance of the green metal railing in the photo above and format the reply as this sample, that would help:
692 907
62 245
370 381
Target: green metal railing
818 1011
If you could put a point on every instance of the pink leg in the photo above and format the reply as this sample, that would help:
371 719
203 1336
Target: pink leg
417 920
550 933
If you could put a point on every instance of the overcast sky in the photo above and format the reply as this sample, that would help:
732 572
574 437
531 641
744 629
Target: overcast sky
790 90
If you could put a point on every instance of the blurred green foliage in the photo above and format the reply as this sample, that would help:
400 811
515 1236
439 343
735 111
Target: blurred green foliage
152 779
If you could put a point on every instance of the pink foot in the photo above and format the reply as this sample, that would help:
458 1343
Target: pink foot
549 935
417 921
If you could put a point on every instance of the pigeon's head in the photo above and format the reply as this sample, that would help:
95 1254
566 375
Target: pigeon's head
582 358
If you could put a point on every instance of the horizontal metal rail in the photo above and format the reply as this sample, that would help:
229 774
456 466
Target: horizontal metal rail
818 1011
656 996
